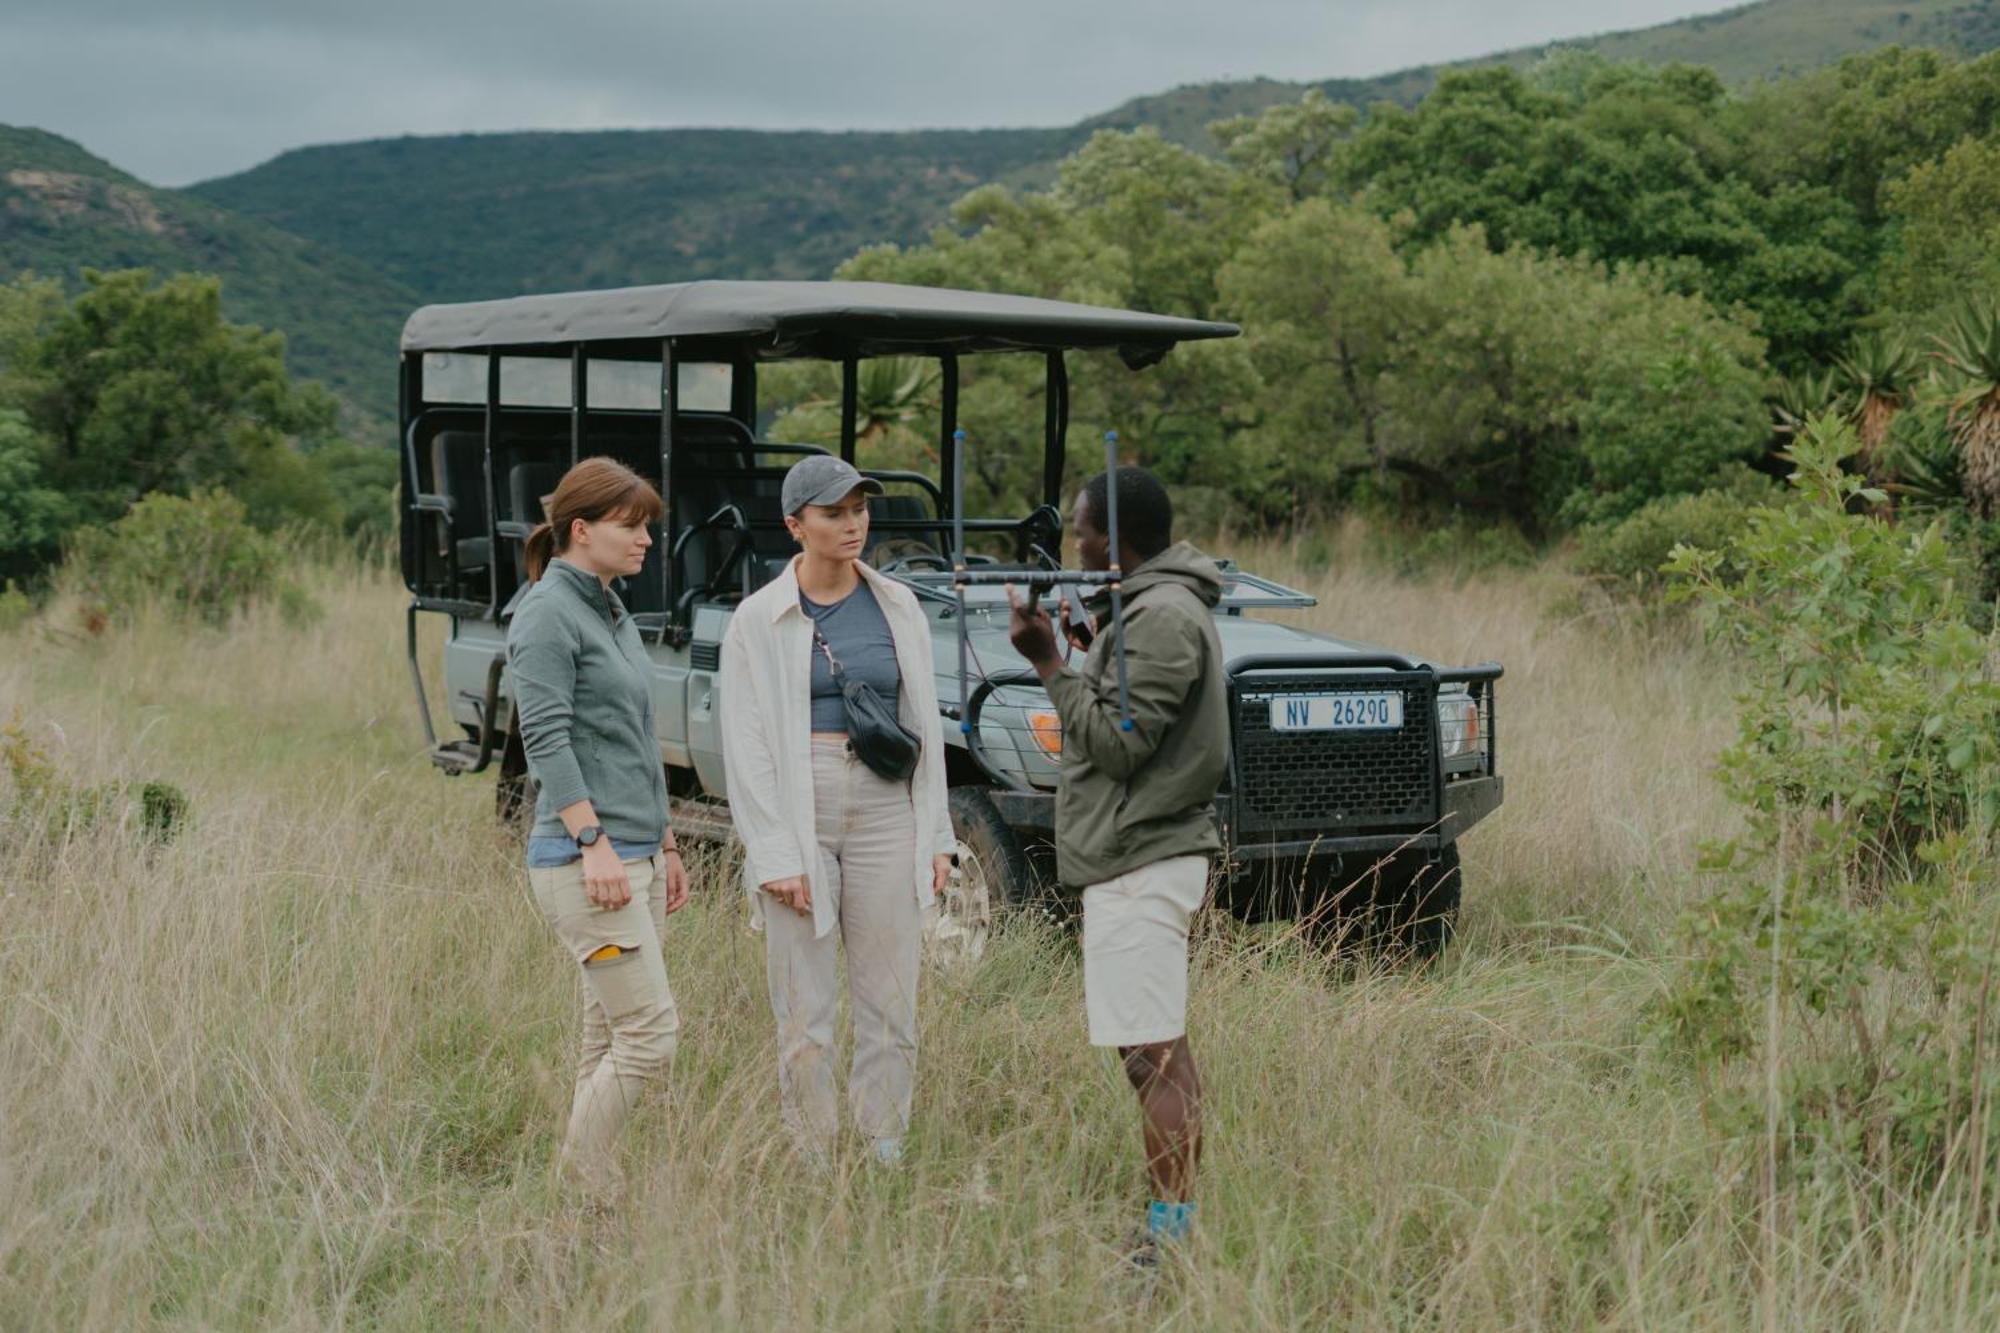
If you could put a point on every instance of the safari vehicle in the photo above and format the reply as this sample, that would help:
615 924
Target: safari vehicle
1353 770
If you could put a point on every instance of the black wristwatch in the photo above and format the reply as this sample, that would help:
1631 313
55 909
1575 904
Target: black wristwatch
589 834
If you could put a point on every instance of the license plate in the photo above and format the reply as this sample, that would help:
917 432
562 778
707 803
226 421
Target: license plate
1381 711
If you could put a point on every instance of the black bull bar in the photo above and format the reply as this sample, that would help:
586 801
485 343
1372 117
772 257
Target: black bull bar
1324 794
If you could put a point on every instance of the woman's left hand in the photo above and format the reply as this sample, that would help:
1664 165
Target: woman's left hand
940 874
674 871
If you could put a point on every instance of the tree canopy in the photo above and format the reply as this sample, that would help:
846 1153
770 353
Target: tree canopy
1548 295
136 388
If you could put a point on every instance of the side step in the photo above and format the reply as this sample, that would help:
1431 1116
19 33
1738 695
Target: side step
701 820
456 757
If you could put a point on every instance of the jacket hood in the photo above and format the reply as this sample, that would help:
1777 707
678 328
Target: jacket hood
1180 563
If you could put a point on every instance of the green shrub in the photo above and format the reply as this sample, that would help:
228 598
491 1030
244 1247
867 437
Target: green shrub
162 809
1976 543
281 487
363 483
1625 557
1465 547
196 556
46 799
32 514
1844 943
15 608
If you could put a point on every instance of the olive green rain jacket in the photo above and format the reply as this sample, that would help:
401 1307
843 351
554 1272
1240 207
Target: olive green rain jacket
1130 798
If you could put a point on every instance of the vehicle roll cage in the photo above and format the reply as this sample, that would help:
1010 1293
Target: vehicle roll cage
689 445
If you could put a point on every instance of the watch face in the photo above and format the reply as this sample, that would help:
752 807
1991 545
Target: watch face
588 837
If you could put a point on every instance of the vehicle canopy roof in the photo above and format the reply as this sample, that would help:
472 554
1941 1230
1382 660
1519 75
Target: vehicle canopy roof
824 320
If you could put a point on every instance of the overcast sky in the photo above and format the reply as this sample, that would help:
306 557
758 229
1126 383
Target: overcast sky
184 90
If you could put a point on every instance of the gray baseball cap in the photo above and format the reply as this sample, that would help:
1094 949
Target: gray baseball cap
822 479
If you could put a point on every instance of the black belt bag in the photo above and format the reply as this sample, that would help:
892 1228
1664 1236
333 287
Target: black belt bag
873 730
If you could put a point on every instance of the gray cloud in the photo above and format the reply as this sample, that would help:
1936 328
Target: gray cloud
181 92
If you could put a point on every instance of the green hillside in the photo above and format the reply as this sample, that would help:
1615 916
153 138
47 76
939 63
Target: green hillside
470 216
1752 42
1787 36
63 210
467 216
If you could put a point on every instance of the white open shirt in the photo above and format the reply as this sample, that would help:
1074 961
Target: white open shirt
765 703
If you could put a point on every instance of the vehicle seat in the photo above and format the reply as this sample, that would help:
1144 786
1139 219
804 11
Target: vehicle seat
891 545
458 465
527 484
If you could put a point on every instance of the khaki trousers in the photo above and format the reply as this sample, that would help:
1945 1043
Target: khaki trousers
630 1025
867 833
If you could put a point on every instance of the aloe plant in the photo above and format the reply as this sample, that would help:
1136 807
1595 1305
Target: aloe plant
1800 397
1878 372
1922 454
1970 348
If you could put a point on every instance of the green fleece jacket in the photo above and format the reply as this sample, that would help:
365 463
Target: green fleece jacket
1130 798
583 699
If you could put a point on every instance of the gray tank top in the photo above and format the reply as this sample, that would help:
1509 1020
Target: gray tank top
858 633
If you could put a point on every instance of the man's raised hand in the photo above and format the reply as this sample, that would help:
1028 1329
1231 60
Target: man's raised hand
1032 634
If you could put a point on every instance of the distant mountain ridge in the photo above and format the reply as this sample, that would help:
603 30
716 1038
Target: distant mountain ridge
471 216
465 217
336 244
63 210
1743 45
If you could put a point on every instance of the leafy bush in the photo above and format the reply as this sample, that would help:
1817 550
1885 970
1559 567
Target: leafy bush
1976 543
32 514
1625 557
44 799
197 556
362 481
1466 548
15 608
1842 942
139 386
1454 380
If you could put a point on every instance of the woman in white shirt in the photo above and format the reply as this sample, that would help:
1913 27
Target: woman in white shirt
835 853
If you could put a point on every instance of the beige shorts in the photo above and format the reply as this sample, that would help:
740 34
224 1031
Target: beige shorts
1135 930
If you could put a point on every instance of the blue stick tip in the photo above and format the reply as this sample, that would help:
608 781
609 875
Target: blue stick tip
1125 724
1111 437
965 728
958 434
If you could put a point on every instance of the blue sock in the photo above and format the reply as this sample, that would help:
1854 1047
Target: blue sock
1169 1221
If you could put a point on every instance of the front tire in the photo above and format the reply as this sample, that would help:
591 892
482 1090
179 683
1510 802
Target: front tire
1404 908
992 874
1414 907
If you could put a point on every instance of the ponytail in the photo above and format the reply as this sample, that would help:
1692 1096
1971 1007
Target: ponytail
541 549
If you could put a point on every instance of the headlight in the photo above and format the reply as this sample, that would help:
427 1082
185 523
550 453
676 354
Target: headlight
1458 725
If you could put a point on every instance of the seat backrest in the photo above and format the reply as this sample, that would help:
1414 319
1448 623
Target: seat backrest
521 502
527 484
458 463
897 508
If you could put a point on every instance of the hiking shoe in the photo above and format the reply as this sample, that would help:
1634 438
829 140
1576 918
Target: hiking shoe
1141 1254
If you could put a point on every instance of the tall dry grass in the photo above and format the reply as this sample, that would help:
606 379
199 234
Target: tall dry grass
305 1066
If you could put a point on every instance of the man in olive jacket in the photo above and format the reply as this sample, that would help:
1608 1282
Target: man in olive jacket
1135 824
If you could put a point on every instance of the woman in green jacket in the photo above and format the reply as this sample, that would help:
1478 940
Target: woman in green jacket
601 859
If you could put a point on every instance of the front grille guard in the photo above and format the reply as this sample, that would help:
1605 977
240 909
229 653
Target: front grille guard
1023 691
1389 781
